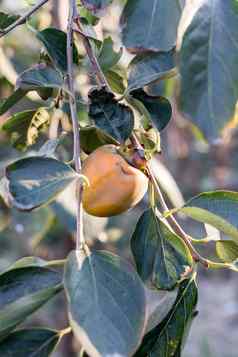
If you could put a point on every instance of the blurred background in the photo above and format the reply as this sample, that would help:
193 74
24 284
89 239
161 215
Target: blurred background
187 166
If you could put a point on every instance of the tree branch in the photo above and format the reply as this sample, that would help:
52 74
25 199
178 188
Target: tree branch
23 18
102 81
80 241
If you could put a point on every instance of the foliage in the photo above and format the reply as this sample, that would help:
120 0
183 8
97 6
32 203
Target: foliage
107 301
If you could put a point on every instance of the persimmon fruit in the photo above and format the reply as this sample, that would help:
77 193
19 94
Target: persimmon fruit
114 184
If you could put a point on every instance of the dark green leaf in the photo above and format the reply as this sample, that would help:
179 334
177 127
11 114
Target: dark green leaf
39 76
217 208
159 108
161 256
150 25
208 66
24 127
106 303
36 342
6 20
166 338
108 57
150 67
23 289
95 5
35 181
115 119
227 250
55 42
91 138
159 303
9 102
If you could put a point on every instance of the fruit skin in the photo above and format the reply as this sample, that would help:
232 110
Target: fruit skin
115 185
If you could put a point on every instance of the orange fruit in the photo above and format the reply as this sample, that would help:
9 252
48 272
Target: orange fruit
115 185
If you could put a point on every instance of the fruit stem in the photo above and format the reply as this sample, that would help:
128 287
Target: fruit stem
80 240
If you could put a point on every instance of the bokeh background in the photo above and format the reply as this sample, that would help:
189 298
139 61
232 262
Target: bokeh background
186 167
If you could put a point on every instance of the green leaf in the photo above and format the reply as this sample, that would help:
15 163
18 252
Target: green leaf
158 306
106 303
108 57
208 66
115 81
166 338
150 25
87 18
159 108
39 76
115 119
150 67
28 262
91 138
96 5
150 141
7 19
35 181
14 98
24 127
24 289
227 250
161 256
36 342
217 208
55 42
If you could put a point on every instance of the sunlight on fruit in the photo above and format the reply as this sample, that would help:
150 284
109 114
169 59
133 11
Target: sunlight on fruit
115 186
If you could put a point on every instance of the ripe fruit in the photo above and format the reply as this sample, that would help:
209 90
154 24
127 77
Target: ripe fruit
115 185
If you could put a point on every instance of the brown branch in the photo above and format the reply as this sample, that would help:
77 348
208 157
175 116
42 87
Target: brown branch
23 18
102 81
73 110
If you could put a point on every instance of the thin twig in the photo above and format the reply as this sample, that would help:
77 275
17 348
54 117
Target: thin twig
170 219
23 18
80 241
102 81
175 225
